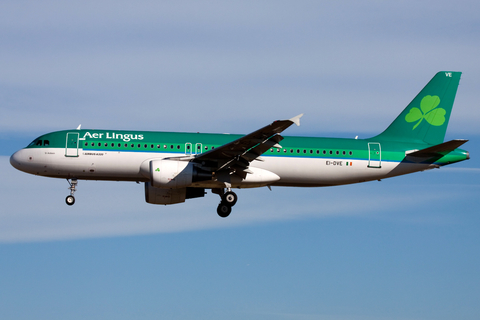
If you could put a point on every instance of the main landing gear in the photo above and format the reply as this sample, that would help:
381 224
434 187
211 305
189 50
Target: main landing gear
229 199
70 200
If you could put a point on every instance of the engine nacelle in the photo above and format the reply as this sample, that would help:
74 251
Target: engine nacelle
172 174
171 196
164 196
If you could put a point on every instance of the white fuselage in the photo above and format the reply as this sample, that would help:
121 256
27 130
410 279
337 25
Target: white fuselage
131 166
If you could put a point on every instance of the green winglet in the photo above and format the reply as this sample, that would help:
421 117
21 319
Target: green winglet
296 119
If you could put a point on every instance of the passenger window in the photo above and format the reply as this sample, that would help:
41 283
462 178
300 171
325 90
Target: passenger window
350 153
331 152
344 152
324 151
99 144
338 152
86 144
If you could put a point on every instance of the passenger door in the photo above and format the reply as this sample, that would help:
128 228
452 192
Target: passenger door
71 146
374 155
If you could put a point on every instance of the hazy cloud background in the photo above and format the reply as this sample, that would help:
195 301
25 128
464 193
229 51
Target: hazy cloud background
403 248
209 66
106 209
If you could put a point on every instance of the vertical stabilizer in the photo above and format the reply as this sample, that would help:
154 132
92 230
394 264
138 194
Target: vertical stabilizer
425 119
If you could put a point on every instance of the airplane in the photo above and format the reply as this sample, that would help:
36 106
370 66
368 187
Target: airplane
175 166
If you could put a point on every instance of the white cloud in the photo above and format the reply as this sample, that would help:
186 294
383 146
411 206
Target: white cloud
214 67
210 66
33 208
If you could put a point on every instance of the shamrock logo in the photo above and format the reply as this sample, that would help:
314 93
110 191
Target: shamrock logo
429 111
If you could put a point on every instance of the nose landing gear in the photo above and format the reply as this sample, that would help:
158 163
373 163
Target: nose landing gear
70 200
229 199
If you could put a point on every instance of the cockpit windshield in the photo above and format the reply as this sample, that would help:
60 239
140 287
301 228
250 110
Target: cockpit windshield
34 143
39 142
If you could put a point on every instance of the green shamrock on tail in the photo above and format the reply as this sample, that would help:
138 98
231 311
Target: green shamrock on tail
435 116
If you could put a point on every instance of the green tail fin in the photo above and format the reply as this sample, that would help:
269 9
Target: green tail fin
425 119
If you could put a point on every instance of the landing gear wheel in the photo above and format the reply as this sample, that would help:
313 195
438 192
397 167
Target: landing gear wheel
224 210
70 200
230 198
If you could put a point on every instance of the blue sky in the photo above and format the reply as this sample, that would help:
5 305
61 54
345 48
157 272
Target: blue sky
402 248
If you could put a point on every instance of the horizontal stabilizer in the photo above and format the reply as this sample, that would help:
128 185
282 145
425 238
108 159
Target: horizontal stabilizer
439 149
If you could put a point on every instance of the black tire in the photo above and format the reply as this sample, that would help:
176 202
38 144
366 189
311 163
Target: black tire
224 210
70 200
230 198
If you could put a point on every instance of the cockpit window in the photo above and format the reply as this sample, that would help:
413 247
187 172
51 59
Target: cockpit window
46 143
38 142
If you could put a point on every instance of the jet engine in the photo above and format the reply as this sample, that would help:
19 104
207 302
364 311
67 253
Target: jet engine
171 196
172 174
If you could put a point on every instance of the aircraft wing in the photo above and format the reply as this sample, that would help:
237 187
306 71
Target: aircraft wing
237 155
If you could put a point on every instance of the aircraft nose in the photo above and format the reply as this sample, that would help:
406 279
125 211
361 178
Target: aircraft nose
14 160
17 161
